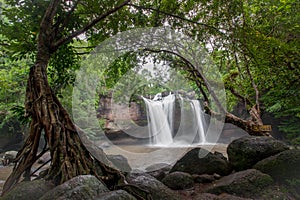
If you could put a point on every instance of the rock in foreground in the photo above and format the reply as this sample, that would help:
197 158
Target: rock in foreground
246 183
178 181
283 166
200 161
28 190
84 187
245 152
157 189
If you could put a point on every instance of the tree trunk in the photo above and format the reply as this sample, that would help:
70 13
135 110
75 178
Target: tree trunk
69 156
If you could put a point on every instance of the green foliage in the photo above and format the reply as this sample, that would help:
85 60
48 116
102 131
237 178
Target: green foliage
260 37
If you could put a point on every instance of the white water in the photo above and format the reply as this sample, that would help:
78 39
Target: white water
160 116
199 116
161 120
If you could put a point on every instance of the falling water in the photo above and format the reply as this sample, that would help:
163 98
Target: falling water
199 117
160 117
161 121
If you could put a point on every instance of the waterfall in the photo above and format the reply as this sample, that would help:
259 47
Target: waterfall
200 120
161 121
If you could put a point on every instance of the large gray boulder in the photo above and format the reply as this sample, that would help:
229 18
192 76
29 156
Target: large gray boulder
28 190
178 181
156 189
282 167
245 152
201 161
115 195
83 187
248 183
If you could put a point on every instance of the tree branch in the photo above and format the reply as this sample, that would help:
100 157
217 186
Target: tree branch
88 26
67 19
175 16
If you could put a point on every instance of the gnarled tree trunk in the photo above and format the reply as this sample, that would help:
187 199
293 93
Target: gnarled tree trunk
69 156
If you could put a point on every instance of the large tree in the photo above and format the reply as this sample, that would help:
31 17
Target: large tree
57 24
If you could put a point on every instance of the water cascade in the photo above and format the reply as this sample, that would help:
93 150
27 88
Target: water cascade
167 129
160 119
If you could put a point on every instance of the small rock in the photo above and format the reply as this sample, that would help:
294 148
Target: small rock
9 157
204 178
178 181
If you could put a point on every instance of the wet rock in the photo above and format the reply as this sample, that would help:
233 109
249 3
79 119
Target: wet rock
120 162
159 171
282 167
157 190
178 181
204 178
84 187
246 183
201 161
245 152
115 195
29 190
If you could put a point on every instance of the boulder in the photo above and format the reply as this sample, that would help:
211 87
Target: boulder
246 183
115 195
159 170
201 161
29 190
245 152
178 181
83 187
120 162
282 167
157 190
